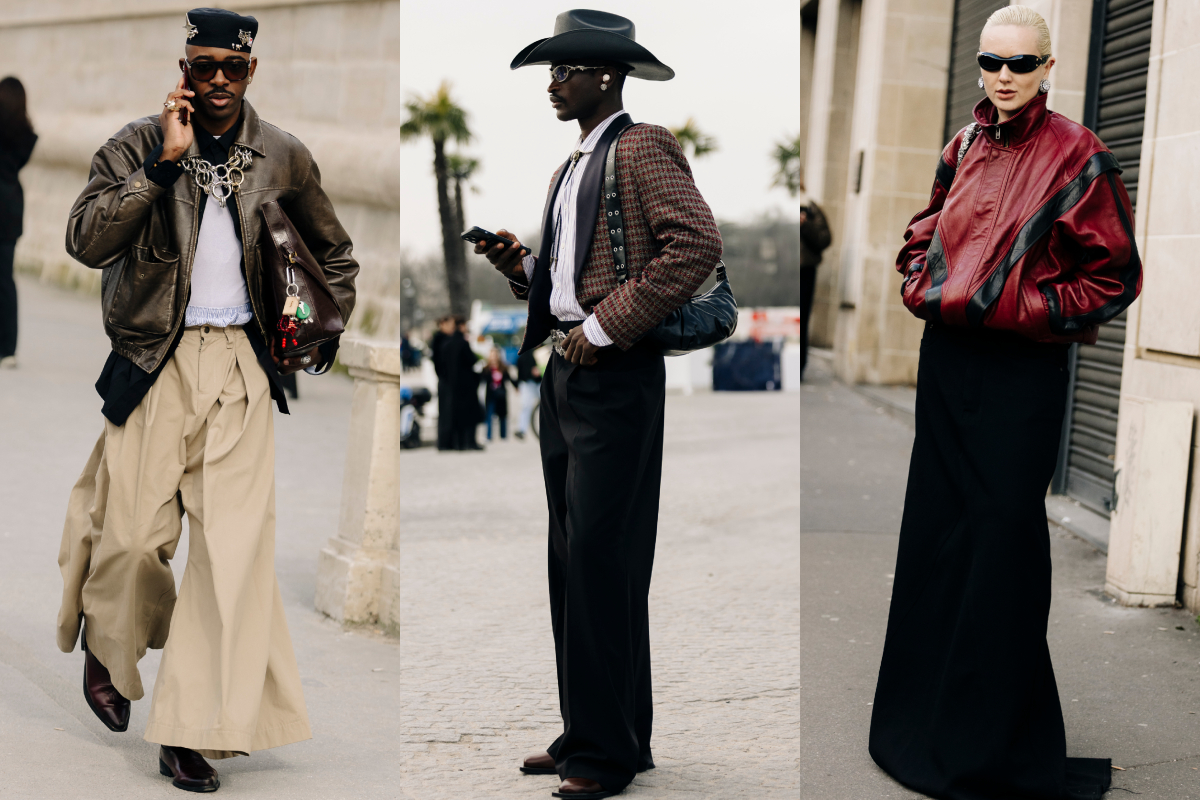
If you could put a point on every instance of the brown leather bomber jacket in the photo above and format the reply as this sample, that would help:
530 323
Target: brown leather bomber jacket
144 236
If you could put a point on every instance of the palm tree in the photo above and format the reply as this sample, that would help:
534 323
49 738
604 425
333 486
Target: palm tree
787 158
701 143
442 120
461 168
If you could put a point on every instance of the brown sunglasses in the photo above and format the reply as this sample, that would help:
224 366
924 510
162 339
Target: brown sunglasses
234 69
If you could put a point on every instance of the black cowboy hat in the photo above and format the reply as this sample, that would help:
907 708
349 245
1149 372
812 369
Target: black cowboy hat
585 35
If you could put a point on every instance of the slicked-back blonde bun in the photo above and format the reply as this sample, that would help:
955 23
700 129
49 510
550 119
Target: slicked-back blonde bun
1025 17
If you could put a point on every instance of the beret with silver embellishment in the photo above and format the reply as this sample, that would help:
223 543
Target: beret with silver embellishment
216 27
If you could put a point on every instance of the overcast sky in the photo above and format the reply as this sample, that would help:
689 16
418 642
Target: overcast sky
737 72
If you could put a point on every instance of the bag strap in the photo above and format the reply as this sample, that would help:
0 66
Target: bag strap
612 210
969 134
612 214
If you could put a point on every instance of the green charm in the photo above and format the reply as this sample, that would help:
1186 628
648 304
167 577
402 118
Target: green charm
303 311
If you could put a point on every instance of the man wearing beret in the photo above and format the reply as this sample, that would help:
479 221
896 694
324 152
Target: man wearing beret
603 390
171 215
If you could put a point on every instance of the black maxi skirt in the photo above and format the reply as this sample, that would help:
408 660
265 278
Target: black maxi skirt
966 707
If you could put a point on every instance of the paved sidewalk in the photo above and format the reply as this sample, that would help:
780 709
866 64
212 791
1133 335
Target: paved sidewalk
479 687
51 745
1129 678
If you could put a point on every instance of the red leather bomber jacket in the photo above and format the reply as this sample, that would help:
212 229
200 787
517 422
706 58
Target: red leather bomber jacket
1034 234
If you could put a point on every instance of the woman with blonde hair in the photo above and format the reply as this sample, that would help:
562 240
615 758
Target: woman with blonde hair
1026 246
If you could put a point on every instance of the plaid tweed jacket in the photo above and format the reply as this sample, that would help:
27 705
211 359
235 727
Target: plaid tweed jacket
671 240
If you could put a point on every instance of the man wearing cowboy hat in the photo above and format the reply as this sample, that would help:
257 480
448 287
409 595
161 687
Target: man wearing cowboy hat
603 390
171 214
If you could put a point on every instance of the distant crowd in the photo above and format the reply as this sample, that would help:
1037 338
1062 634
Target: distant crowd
461 372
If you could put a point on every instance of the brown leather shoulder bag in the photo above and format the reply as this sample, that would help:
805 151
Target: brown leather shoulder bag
289 270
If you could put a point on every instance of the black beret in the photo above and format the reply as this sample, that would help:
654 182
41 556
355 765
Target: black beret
216 27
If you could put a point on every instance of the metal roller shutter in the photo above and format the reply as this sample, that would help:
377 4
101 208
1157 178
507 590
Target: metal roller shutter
962 91
1115 109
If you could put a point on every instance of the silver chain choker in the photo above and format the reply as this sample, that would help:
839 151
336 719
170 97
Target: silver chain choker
221 180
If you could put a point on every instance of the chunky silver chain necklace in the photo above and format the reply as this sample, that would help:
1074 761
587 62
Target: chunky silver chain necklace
221 180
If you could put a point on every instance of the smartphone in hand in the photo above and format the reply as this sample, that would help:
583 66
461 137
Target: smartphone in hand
478 234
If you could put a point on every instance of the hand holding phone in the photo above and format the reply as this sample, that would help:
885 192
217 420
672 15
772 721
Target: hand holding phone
502 250
177 133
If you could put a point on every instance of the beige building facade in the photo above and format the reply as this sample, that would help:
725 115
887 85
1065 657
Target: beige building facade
328 73
1123 69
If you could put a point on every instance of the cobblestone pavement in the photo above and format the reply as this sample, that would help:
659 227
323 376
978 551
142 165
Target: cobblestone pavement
478 688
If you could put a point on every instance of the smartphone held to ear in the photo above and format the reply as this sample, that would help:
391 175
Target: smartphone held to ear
187 84
490 240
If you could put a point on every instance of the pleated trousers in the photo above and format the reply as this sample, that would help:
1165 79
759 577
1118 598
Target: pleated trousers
966 706
202 443
601 442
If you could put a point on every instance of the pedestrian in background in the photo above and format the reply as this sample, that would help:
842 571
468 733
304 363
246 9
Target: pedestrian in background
437 346
496 379
966 706
16 145
814 238
529 380
462 387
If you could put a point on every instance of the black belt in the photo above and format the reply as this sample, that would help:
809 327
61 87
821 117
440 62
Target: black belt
566 326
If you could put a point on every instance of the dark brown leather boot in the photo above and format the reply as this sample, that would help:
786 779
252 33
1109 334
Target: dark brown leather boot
102 697
582 789
539 764
189 769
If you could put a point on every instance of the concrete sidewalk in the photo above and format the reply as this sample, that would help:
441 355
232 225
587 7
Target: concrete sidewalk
1129 678
51 745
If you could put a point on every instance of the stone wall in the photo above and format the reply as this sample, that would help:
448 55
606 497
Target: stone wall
899 106
828 167
328 73
1162 346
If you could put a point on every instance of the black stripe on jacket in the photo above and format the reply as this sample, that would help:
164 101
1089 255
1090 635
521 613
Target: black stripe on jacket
1129 277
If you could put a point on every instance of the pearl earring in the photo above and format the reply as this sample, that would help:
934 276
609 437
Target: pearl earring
1044 86
980 81
604 86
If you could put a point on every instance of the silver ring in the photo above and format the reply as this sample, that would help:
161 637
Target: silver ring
305 360
171 105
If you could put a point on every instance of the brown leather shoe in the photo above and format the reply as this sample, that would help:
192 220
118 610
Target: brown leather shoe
539 764
582 789
102 697
189 769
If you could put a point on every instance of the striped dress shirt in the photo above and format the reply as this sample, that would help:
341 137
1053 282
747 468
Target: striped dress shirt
563 303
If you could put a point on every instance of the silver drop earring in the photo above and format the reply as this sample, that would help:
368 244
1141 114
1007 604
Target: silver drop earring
980 81
604 86
1044 86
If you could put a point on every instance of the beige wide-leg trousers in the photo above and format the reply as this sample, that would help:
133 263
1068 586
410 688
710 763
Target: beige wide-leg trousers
201 442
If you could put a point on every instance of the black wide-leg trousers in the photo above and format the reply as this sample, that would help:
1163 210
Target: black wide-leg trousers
966 707
602 442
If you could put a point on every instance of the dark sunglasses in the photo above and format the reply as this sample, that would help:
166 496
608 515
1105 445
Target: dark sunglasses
234 69
990 62
562 71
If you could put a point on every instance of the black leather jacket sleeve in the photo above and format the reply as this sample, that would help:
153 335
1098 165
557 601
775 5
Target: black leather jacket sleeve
111 210
316 221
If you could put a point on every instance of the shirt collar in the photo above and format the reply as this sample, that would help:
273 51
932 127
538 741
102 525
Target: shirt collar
587 145
215 147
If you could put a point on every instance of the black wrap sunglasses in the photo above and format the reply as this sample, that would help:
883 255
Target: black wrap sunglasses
990 62
235 69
